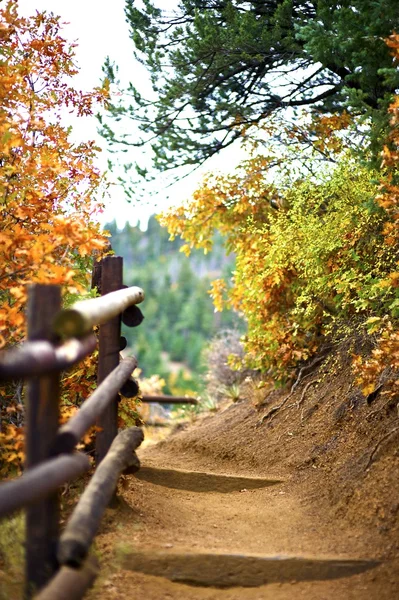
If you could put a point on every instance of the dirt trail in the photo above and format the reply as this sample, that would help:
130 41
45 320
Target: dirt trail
176 525
328 501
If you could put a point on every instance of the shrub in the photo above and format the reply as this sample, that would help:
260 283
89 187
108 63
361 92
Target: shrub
223 379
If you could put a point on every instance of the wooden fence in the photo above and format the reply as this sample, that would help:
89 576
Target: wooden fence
59 566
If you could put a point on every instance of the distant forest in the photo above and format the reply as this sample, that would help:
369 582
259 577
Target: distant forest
179 315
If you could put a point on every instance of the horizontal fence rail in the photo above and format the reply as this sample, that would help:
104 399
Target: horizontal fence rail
79 533
69 583
41 357
39 481
162 399
82 316
71 433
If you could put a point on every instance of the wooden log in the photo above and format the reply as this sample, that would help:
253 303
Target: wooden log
130 389
132 316
71 584
108 354
71 433
161 399
42 418
84 522
42 357
40 481
81 317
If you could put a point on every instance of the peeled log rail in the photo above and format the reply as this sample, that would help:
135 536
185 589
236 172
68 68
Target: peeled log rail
39 481
169 400
71 433
130 388
83 315
41 357
83 525
71 584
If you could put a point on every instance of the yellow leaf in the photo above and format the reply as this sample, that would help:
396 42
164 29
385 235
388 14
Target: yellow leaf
368 389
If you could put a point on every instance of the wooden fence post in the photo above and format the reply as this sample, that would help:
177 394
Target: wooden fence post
108 354
42 419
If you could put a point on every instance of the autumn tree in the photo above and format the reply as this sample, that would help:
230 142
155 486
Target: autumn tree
50 190
315 250
218 66
300 269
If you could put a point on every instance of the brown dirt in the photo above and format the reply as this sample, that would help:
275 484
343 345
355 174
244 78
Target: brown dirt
338 498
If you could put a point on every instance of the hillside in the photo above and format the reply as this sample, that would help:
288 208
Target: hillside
331 461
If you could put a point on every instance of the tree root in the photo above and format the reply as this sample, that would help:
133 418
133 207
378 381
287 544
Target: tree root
275 409
304 372
308 368
305 389
378 410
301 376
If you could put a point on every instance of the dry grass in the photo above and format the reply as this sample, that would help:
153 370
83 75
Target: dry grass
12 533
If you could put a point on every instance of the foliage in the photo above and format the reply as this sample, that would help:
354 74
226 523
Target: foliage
221 378
384 356
386 353
128 412
49 187
319 259
151 386
217 68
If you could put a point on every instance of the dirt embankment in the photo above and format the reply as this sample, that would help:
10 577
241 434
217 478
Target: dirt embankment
331 461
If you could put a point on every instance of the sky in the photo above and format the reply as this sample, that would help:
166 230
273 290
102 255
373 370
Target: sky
100 30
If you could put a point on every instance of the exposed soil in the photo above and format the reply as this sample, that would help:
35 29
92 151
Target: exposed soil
329 499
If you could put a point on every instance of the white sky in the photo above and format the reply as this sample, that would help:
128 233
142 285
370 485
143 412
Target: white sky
100 30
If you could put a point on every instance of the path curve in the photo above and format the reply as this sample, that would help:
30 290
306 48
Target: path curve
195 535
